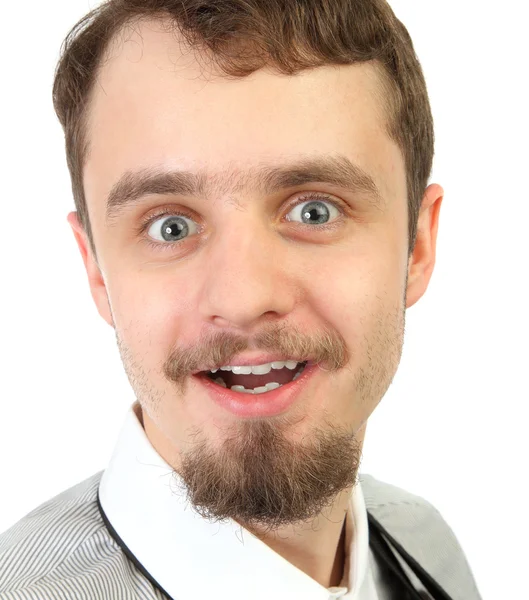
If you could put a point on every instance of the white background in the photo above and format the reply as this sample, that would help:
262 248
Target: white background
452 427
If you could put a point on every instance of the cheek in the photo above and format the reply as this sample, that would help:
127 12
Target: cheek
146 313
355 290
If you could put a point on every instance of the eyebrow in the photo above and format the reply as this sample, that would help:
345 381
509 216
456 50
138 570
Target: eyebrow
337 170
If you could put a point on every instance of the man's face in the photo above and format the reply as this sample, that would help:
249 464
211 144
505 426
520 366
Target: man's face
248 263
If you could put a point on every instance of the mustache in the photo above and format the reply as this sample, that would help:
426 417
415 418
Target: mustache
326 347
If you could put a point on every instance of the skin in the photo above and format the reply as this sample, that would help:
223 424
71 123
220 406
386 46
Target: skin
217 292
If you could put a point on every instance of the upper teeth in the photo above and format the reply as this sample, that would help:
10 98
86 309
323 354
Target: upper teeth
259 369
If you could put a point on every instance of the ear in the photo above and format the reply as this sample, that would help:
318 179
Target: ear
422 260
95 278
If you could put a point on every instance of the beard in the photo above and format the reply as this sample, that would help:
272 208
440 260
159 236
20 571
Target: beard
259 475
263 480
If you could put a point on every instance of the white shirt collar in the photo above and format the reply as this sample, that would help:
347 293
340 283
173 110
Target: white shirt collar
177 546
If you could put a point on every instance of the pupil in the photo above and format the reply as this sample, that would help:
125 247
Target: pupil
312 211
173 227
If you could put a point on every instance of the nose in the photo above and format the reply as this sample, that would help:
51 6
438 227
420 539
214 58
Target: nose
250 273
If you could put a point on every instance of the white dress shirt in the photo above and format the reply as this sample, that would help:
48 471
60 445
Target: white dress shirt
192 558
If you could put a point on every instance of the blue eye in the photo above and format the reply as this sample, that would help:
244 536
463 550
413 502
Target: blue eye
315 210
170 229
167 228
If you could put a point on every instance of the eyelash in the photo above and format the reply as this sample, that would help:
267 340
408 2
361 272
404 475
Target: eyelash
158 246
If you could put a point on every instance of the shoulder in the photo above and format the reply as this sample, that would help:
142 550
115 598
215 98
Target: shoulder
403 513
423 532
66 513
55 543
379 493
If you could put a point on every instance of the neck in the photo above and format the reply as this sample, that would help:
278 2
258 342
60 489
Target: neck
317 551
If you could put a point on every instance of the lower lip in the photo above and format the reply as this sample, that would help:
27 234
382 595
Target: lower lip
267 404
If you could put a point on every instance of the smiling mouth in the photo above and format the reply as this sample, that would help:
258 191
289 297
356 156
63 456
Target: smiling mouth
252 383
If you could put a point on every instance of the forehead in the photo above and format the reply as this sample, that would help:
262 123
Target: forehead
157 104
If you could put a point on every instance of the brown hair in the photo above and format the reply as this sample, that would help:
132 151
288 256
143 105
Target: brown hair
242 36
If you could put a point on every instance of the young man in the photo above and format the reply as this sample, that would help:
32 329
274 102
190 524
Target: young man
254 215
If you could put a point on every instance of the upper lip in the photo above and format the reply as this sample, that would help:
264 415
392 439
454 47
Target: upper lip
243 360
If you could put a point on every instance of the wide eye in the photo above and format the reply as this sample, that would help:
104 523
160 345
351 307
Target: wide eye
172 228
315 212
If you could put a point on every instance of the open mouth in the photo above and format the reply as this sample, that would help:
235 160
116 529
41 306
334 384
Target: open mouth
255 383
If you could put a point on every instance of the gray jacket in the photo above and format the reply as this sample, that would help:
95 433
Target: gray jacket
421 530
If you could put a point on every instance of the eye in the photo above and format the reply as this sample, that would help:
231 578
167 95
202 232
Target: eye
314 211
172 228
167 228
